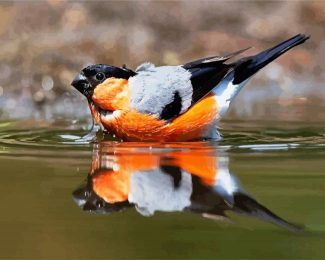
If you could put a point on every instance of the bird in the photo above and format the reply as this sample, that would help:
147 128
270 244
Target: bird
171 103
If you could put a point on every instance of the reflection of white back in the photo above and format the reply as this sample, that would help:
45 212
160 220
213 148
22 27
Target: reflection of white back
226 183
154 190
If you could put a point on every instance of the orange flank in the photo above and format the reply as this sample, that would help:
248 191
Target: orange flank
192 124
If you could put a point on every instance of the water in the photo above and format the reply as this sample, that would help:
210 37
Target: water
65 197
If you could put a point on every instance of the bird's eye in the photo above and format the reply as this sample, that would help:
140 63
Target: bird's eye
100 76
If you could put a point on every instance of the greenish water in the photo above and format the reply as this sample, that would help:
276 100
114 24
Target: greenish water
48 175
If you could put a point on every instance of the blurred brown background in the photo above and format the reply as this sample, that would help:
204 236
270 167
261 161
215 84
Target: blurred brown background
44 44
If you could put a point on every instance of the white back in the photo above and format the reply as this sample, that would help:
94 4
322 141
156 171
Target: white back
154 87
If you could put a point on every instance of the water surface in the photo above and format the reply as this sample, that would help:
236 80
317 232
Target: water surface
65 197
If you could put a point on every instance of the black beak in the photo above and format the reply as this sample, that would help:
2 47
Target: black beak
81 83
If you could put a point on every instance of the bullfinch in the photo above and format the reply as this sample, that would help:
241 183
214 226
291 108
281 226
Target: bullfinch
170 103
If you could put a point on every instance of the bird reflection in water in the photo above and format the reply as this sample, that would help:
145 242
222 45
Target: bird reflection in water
169 178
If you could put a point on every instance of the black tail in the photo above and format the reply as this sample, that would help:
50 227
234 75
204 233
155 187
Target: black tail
247 67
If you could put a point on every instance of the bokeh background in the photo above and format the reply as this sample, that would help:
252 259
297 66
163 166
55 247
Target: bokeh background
44 44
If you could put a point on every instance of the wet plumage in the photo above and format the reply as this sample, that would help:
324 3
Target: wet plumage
170 103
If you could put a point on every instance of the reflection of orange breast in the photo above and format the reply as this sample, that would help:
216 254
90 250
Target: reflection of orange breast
114 185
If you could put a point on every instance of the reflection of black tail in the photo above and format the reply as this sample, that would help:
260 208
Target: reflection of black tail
248 206
247 67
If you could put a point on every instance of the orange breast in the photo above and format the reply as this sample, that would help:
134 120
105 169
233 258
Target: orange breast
193 124
112 94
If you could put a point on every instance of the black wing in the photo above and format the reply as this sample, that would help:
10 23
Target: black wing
247 67
212 61
208 72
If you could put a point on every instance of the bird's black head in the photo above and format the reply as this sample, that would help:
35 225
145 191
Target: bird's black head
89 77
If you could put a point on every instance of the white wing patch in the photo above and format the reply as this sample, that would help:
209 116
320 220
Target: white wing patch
226 91
154 87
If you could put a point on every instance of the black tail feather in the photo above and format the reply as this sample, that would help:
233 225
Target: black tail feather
247 67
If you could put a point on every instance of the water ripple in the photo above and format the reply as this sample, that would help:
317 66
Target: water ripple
235 138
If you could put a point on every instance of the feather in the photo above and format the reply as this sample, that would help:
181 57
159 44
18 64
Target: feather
213 60
208 72
165 92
